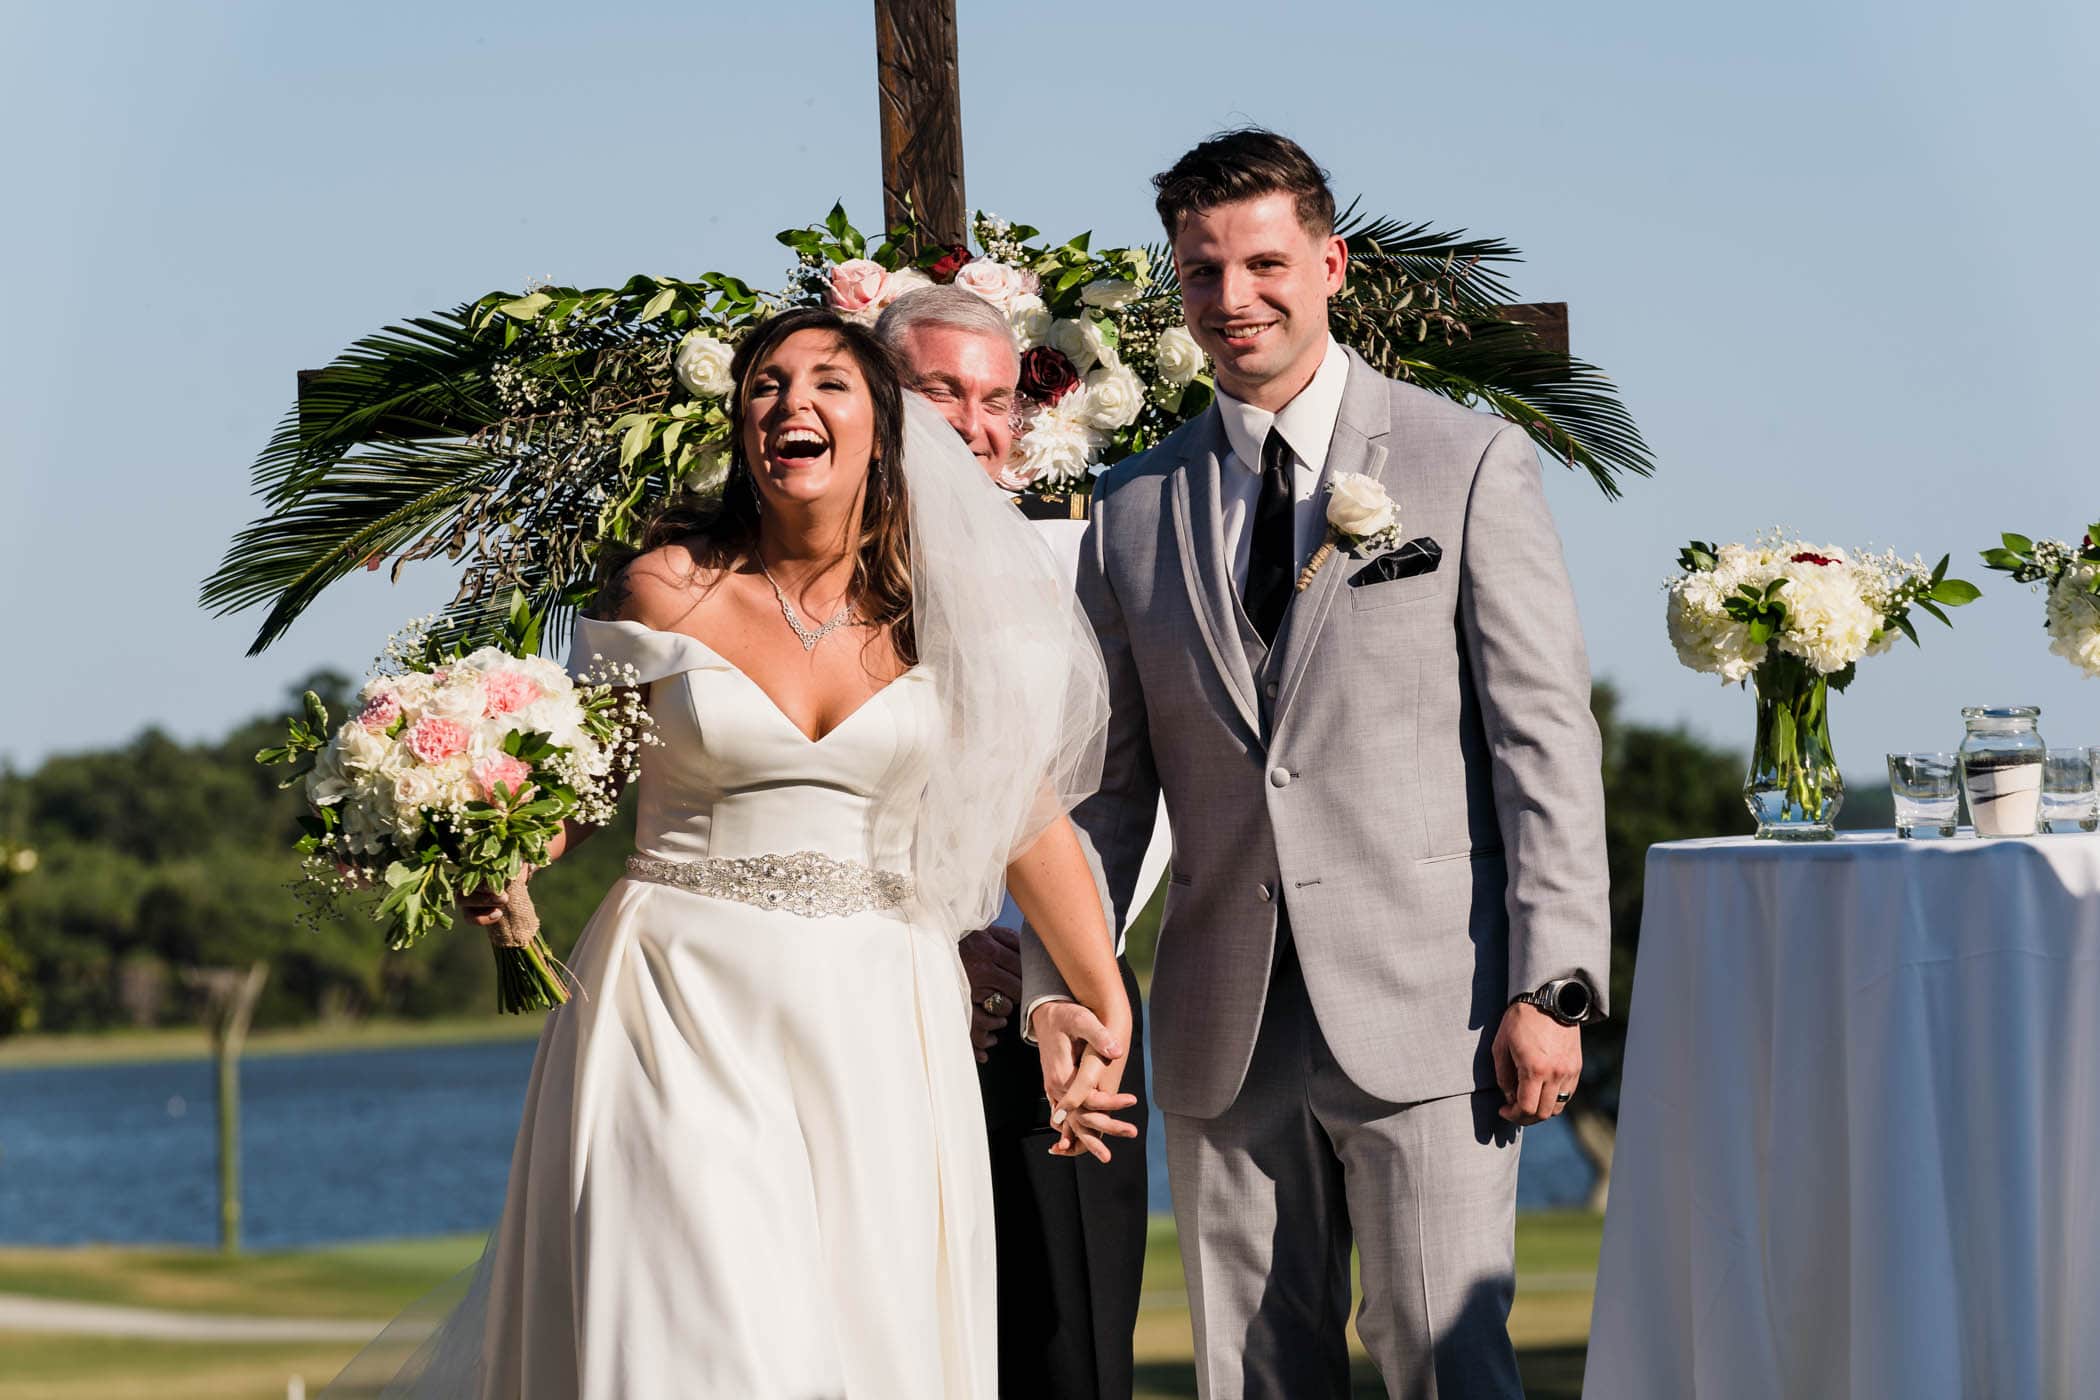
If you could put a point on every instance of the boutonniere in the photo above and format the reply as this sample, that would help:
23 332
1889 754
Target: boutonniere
1361 518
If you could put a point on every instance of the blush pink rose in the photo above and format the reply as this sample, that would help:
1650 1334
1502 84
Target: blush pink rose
507 691
502 770
858 284
379 713
434 738
997 282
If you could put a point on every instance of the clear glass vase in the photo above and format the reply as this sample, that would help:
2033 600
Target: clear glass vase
1793 789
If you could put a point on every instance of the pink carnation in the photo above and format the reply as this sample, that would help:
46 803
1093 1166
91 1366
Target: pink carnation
502 770
507 691
434 738
379 713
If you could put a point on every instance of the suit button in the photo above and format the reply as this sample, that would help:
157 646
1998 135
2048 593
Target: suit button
1267 894
1279 777
1269 690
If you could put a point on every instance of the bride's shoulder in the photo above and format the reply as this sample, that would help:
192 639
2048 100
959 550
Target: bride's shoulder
660 588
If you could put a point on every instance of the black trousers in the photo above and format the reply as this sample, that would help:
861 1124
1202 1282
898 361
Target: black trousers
1071 1232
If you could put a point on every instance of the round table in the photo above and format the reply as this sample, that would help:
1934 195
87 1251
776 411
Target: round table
1859 1133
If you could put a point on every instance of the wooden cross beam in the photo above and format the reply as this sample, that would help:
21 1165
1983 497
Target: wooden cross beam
920 86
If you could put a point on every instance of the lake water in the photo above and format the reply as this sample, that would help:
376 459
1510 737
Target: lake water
364 1145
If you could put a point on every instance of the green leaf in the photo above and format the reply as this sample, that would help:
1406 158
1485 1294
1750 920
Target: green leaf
1954 592
2002 559
636 441
2019 544
526 308
1908 628
835 221
659 304
1931 607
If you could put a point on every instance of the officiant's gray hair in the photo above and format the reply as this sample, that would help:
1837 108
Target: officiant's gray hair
944 306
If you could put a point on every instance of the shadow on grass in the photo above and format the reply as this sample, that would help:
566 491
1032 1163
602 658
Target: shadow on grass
1550 1373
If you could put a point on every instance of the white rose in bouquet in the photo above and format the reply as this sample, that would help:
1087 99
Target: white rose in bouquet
1108 293
999 283
1080 340
1178 356
702 366
1030 320
1113 398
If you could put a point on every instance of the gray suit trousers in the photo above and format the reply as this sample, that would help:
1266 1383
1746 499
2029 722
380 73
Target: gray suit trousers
1270 1194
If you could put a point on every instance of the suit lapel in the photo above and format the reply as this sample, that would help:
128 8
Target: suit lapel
1359 445
1200 530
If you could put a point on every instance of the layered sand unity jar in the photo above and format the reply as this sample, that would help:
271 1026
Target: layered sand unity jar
2001 769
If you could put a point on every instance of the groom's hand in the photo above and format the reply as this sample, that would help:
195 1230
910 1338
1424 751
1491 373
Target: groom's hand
991 959
1537 1060
1082 1078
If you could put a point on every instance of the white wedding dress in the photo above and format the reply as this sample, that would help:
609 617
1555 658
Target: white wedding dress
752 1163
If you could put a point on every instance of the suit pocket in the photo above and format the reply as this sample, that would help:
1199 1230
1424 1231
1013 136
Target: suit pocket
1480 853
1394 592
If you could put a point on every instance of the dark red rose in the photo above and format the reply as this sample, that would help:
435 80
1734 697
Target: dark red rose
950 263
1807 558
1047 375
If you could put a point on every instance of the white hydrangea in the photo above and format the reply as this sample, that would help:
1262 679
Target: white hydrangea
1829 623
1706 638
2074 617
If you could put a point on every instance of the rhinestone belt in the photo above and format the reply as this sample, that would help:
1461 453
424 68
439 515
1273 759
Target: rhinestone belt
802 882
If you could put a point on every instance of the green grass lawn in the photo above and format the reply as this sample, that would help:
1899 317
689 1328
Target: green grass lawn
1556 1259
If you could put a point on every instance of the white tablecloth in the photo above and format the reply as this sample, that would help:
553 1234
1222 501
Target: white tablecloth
1859 1141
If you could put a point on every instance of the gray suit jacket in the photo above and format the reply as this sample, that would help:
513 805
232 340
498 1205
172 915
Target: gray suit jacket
1412 770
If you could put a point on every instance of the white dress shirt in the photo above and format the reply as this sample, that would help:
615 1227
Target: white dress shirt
1307 424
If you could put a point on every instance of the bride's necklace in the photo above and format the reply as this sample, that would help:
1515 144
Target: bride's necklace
787 610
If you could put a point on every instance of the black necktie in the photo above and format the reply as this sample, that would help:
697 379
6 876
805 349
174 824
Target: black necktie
1273 549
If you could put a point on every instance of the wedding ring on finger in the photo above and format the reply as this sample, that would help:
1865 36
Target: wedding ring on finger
1562 1098
996 1004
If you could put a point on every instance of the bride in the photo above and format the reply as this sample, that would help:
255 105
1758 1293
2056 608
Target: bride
752 1160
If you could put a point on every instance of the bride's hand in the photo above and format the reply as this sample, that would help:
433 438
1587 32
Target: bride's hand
1082 1076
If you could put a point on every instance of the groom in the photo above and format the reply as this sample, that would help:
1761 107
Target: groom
1387 913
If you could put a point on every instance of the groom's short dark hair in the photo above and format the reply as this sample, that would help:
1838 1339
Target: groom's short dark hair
1244 164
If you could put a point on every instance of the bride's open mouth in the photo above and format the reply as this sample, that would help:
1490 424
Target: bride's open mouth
796 447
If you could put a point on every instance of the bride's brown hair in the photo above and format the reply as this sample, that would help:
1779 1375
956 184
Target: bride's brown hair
723 533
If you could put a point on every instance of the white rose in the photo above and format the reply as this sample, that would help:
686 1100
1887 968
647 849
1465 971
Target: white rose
418 788
702 366
1080 340
1108 293
460 698
1359 507
1179 358
359 750
1114 398
329 781
997 282
1030 320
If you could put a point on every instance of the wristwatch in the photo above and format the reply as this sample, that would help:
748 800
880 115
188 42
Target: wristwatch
1566 999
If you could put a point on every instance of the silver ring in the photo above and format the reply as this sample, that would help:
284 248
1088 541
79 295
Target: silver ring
1562 1098
995 1004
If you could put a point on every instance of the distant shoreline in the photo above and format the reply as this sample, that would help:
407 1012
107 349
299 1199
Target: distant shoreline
56 1051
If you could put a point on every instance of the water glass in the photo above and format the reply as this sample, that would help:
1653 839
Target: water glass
1926 791
2069 802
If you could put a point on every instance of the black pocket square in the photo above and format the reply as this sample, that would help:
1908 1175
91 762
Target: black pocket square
1420 556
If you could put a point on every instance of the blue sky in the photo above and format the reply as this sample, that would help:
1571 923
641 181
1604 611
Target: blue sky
1836 255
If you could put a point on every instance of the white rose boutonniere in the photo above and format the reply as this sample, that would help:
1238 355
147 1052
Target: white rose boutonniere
1361 516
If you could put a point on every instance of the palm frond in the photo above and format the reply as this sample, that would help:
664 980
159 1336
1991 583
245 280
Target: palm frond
387 500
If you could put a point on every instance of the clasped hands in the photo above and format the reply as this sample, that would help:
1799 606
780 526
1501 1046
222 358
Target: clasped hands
1082 1058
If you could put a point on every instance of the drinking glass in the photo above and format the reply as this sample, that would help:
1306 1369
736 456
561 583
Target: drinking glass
1925 788
2069 802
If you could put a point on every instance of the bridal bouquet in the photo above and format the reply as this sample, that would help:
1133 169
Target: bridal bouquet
452 778
2071 611
1796 619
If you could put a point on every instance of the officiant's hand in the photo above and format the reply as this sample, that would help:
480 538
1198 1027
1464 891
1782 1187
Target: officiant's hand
991 959
1537 1062
1082 1078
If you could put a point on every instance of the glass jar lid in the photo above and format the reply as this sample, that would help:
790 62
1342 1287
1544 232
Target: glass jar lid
2001 712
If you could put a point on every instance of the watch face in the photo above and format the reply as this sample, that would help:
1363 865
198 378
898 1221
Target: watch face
1572 999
